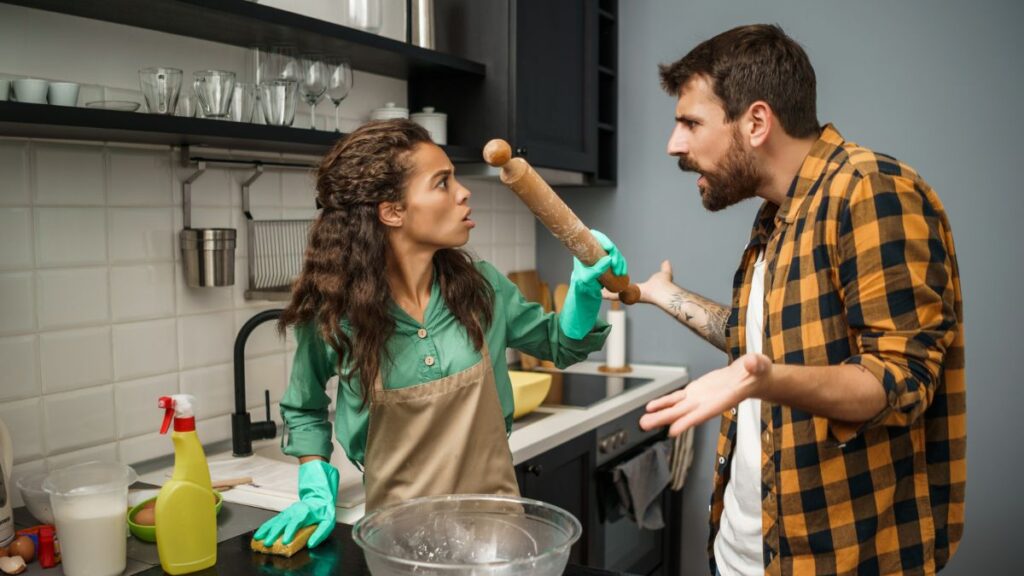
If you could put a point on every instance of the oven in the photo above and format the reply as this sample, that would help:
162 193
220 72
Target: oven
618 544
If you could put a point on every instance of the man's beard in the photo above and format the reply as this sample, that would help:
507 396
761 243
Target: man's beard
736 178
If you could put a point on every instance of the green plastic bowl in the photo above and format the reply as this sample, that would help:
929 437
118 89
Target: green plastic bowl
148 533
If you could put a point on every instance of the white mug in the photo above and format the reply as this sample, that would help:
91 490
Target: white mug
5 89
31 90
63 94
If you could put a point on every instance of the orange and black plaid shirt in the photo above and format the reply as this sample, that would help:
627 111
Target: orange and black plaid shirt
860 269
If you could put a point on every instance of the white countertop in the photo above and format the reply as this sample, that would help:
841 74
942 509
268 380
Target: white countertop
531 435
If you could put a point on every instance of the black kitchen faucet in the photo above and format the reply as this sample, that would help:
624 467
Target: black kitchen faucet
243 431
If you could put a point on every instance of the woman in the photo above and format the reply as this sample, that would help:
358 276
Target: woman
415 330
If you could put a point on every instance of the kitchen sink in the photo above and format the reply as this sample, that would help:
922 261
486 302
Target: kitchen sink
275 476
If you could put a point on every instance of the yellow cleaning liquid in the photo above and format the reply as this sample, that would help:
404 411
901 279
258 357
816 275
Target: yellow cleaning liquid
186 519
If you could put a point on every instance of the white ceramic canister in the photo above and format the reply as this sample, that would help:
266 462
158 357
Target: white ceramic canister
435 122
389 112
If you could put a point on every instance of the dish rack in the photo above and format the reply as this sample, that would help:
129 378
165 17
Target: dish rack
275 248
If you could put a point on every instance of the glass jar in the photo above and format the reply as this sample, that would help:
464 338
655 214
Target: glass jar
363 14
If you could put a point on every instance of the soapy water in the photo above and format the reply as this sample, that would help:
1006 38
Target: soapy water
472 539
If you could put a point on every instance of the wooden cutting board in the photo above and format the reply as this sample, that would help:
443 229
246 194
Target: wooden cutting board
561 291
529 284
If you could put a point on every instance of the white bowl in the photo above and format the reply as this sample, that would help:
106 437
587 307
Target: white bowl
36 500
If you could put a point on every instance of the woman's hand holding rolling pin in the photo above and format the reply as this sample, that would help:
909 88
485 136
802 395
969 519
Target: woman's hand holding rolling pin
583 302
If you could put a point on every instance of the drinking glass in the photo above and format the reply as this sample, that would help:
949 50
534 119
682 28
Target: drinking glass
160 87
214 89
339 82
313 84
277 100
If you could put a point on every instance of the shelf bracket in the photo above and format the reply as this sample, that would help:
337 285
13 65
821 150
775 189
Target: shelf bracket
186 194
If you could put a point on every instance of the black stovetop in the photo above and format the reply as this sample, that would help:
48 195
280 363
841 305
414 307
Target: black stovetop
339 555
580 390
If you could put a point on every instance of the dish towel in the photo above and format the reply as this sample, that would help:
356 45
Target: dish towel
640 481
682 458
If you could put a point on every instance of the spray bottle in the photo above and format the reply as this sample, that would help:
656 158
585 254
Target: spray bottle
186 519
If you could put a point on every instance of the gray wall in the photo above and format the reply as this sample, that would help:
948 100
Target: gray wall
934 83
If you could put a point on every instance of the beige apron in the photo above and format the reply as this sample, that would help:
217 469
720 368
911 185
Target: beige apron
445 436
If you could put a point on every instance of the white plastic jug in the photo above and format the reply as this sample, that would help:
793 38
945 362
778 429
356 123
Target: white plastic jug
6 489
89 503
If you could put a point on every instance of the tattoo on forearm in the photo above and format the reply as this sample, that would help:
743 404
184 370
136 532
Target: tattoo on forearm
706 318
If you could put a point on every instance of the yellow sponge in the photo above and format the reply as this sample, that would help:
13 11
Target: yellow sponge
280 549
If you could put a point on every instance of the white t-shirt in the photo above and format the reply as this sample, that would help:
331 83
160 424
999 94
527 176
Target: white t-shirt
738 545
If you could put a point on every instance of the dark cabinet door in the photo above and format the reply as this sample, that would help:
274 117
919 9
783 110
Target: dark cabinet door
562 476
554 51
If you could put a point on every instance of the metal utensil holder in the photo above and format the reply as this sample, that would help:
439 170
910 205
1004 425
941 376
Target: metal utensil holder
275 247
208 254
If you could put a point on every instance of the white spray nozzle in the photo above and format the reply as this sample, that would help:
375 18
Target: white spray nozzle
176 406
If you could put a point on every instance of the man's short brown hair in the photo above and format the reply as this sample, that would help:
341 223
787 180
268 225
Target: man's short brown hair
748 64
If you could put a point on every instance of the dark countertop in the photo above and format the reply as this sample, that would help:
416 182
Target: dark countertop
338 555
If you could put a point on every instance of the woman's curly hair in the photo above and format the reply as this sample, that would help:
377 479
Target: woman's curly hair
344 272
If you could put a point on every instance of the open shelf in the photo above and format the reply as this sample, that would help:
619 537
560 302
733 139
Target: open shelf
248 25
65 122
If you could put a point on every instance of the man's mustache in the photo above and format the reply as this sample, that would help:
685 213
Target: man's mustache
686 165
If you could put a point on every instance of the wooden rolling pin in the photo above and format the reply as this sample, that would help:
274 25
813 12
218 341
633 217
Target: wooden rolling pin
517 174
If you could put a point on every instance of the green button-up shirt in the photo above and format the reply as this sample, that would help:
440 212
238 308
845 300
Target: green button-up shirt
421 353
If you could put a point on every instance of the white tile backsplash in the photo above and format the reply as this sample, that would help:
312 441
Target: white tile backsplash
136 402
22 420
73 297
142 291
140 177
142 448
206 339
71 236
264 373
19 377
15 238
141 234
69 174
505 228
17 307
14 167
75 359
145 348
106 451
79 419
213 387
298 189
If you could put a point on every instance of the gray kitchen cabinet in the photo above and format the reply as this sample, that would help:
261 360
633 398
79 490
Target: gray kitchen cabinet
563 476
550 85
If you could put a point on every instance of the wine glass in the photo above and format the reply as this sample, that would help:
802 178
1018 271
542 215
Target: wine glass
279 63
339 82
312 84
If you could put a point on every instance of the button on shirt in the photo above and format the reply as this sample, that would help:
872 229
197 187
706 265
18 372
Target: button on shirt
421 353
861 269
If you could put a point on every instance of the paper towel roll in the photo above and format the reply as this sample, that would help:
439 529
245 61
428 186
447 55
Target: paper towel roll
616 355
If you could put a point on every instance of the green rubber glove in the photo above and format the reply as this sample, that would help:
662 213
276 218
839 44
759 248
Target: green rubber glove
583 302
318 492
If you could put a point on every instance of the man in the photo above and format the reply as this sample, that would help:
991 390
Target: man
843 433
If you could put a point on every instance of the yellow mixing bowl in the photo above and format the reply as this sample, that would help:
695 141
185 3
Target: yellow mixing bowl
529 389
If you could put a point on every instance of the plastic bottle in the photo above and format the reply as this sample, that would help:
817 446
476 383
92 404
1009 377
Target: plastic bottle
186 520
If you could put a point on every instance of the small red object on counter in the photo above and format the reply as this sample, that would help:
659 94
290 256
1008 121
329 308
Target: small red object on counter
46 555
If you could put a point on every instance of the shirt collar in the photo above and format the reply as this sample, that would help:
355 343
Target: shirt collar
404 323
814 165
